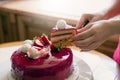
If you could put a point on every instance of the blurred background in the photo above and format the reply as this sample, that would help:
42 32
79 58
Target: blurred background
24 19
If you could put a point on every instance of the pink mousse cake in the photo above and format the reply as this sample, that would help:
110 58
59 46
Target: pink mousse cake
38 59
61 34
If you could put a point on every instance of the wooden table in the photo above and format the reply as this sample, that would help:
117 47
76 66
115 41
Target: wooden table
103 67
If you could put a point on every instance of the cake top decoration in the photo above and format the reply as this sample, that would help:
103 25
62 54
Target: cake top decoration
36 48
61 24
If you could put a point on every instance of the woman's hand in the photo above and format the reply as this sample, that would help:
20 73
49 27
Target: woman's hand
95 33
88 18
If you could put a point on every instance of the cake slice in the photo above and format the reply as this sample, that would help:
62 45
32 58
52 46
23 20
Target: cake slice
62 33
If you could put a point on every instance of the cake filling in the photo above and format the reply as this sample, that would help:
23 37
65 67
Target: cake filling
62 33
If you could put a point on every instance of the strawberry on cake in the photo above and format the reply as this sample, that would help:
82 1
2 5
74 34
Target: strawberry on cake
39 59
61 34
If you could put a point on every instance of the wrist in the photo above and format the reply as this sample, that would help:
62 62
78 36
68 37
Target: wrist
115 26
104 15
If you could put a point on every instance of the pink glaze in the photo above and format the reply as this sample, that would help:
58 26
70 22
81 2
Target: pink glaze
42 69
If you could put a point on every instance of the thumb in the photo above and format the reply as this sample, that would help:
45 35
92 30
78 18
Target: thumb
82 22
84 28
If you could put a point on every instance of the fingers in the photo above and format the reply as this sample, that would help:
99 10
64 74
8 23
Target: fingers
84 28
88 44
80 22
85 42
83 34
83 21
85 38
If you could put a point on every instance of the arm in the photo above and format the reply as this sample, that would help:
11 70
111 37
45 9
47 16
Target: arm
112 10
96 32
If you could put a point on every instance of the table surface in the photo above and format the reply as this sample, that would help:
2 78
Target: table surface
103 67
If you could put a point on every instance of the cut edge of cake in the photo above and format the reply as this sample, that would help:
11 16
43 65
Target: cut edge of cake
63 36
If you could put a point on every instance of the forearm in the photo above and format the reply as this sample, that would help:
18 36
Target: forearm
112 10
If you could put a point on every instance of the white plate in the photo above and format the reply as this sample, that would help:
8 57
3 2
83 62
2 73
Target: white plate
85 72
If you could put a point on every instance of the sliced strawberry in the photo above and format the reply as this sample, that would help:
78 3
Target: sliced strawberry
38 42
52 47
38 48
45 40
